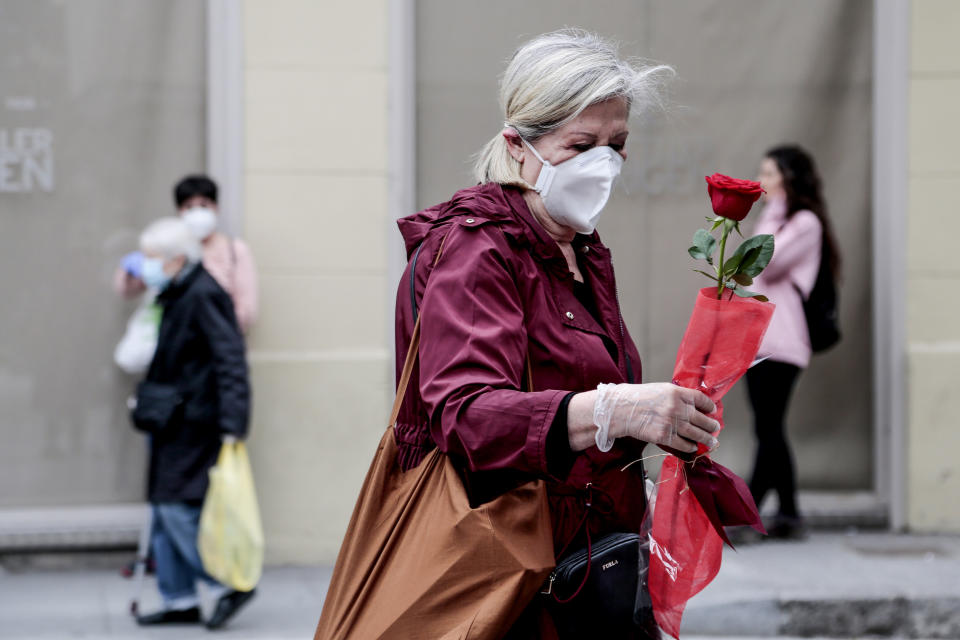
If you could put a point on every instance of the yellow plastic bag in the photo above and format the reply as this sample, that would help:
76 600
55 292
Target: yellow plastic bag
231 537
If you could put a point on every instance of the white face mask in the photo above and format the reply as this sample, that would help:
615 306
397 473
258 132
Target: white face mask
576 190
200 220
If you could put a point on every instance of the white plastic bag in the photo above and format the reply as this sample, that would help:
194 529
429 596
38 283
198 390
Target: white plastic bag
135 350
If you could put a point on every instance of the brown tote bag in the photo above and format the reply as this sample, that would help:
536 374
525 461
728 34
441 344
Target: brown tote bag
418 562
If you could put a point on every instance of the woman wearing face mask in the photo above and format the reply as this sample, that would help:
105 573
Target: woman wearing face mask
200 355
524 279
796 214
227 259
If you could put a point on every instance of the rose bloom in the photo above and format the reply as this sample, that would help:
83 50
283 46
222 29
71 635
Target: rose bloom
732 197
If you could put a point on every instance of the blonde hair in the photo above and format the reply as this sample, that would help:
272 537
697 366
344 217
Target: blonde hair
550 80
171 237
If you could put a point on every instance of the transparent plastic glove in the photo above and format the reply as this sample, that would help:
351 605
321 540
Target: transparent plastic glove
661 413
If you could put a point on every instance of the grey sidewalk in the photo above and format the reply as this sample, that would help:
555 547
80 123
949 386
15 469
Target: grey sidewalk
836 584
897 586
95 603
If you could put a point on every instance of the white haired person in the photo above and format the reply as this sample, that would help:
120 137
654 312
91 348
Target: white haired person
229 260
511 275
196 393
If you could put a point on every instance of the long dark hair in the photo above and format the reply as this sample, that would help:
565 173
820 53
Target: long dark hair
801 182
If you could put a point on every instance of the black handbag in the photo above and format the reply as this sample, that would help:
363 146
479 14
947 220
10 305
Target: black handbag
601 591
821 309
156 406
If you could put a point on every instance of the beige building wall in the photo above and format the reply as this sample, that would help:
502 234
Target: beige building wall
315 76
933 271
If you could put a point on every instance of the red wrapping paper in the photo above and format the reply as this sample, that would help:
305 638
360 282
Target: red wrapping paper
696 496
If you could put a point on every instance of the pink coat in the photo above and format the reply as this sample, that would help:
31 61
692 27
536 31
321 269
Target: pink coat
235 271
788 280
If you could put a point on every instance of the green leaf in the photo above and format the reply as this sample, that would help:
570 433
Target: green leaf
709 275
744 293
762 257
731 265
705 242
743 279
737 227
696 254
716 224
754 254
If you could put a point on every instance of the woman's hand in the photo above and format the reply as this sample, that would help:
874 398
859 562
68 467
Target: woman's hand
659 412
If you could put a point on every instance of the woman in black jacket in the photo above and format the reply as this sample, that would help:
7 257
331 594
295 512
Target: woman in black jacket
196 393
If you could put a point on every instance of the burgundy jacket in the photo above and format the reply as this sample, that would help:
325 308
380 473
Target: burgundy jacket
502 292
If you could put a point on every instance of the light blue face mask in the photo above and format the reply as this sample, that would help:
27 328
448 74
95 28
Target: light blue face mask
153 274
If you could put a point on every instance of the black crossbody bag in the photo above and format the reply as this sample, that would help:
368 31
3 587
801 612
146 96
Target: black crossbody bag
601 590
156 406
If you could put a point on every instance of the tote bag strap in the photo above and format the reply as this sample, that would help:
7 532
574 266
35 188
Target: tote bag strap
405 374
414 347
412 351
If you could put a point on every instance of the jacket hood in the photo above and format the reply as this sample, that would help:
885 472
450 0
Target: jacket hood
489 201
494 202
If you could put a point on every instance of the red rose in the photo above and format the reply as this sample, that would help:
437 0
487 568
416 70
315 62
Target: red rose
731 197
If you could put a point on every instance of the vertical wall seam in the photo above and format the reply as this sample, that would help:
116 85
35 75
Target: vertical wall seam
402 142
891 43
225 113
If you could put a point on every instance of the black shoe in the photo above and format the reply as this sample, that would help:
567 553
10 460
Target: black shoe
180 616
788 528
227 606
743 535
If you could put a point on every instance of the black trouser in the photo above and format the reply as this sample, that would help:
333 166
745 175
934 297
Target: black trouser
769 385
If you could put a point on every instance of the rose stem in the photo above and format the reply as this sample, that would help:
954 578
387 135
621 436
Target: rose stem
727 225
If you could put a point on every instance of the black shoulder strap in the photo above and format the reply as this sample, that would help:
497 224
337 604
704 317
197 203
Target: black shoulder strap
413 282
